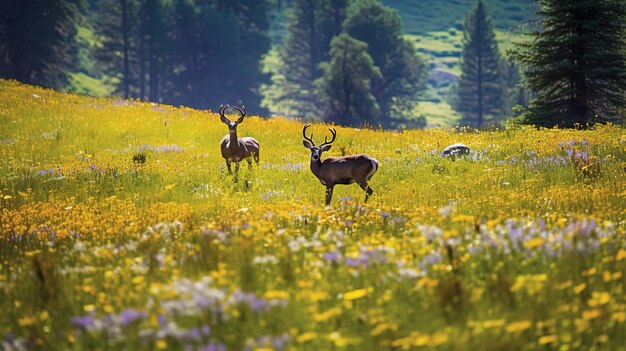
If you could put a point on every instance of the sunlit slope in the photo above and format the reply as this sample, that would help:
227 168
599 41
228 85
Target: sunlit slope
67 145
119 229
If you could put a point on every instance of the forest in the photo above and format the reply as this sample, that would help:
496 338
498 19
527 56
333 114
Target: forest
389 64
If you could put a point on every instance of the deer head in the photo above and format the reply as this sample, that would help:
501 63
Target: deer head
232 125
316 151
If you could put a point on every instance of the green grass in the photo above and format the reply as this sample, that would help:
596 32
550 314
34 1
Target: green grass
519 245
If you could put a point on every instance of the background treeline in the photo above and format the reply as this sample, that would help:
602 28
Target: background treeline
349 62
184 52
346 62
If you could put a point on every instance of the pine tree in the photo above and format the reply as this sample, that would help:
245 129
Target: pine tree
153 32
345 87
199 53
38 40
402 71
253 42
481 91
117 53
576 65
206 47
312 25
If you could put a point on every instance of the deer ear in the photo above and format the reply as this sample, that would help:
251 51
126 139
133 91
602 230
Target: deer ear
307 144
240 119
326 147
224 120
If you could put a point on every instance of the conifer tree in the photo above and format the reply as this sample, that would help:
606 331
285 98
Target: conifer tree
38 40
481 89
345 86
402 71
312 25
576 64
116 27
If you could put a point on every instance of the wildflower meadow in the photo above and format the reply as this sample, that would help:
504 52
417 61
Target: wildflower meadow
121 229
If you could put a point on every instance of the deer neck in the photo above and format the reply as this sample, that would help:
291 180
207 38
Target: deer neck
316 167
233 143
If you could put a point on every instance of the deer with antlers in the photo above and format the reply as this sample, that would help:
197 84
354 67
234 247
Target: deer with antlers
236 149
339 170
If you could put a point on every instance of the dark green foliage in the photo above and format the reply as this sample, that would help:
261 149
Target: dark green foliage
38 40
117 28
312 25
206 51
139 157
517 96
198 53
345 86
402 72
481 89
576 63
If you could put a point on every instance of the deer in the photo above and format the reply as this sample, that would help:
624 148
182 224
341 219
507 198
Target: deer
235 149
339 170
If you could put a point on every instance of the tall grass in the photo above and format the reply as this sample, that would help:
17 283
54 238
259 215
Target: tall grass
518 246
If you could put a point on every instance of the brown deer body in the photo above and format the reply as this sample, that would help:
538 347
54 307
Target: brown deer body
339 170
235 149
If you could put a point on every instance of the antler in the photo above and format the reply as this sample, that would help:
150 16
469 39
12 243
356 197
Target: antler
241 110
222 109
334 133
304 134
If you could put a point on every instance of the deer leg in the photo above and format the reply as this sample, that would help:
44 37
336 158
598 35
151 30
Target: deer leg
368 190
249 163
256 157
329 194
228 166
236 167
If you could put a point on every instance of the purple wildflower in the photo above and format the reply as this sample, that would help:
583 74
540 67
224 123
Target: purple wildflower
131 315
332 256
83 322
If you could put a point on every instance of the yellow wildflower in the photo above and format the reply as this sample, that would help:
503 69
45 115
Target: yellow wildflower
519 326
355 294
308 336
547 339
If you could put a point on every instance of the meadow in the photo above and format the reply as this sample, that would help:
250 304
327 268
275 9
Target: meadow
121 229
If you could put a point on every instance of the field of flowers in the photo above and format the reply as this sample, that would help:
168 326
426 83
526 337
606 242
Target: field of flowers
121 229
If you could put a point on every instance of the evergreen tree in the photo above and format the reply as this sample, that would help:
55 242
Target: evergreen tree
312 25
516 93
38 40
117 53
206 48
481 90
253 42
200 53
402 72
345 87
576 65
153 31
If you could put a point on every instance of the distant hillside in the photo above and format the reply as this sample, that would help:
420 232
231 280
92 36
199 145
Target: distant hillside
436 27
423 16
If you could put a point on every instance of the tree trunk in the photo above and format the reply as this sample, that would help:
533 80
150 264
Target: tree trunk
125 47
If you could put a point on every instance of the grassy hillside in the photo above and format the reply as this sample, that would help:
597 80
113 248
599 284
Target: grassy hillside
436 27
520 245
423 17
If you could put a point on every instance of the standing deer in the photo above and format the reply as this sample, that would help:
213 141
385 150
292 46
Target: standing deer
339 170
236 149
